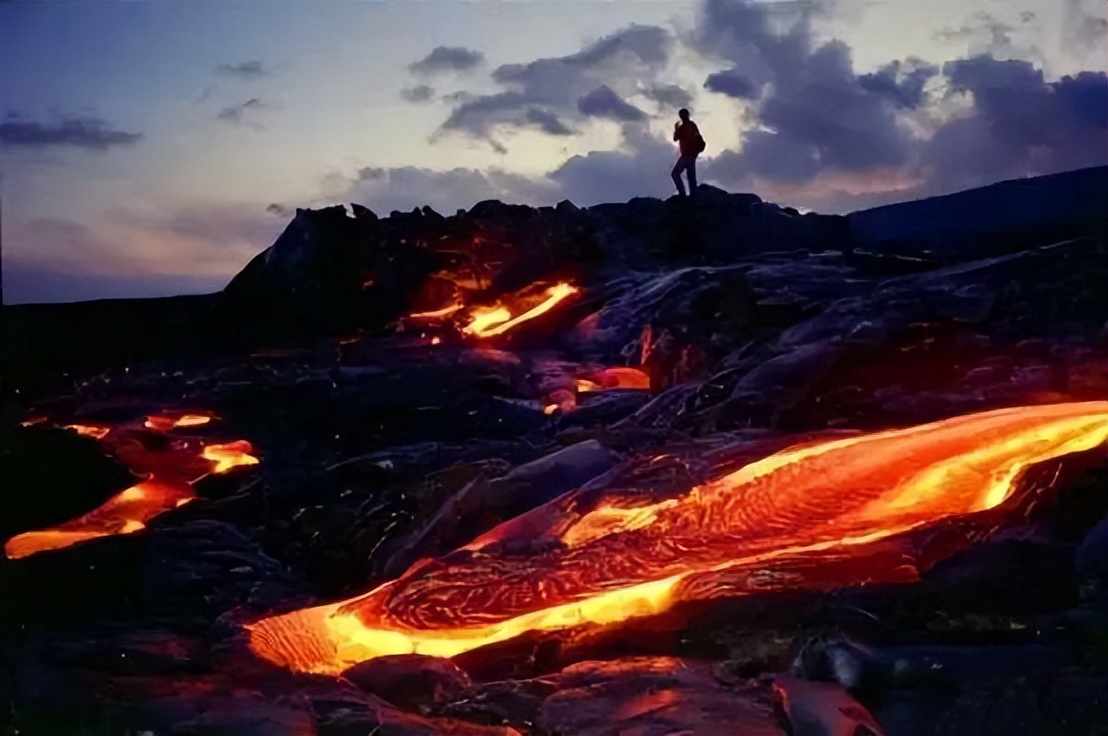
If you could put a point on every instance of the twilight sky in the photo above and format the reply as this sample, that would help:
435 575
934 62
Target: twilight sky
153 147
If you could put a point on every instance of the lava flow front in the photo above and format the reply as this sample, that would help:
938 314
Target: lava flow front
170 471
811 515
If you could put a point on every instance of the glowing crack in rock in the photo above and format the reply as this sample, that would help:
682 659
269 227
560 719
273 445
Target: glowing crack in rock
816 514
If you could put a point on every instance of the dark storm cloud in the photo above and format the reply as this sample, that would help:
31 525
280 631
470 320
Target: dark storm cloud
816 113
902 82
623 62
446 59
419 93
603 102
244 70
733 84
1021 124
88 133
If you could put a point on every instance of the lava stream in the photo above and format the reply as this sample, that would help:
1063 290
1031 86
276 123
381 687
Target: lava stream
169 472
496 321
812 515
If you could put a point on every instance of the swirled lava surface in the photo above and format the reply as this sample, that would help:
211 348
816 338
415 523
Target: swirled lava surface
811 515
169 468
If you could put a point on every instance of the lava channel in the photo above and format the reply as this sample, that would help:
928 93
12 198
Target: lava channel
169 475
808 516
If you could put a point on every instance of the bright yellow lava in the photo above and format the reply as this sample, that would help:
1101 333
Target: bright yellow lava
836 496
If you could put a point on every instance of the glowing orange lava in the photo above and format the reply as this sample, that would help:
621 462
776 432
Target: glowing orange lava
167 486
164 424
124 513
230 455
89 431
490 321
437 313
618 377
816 514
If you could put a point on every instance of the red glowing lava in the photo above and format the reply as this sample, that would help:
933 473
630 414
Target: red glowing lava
816 514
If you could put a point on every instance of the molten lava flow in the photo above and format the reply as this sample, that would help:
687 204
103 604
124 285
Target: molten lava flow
437 313
811 515
496 321
165 424
609 378
170 471
483 319
124 513
230 455
89 431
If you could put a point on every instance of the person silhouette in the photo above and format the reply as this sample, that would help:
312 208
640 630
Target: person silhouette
690 143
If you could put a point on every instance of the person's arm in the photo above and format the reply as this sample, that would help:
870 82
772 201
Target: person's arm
677 130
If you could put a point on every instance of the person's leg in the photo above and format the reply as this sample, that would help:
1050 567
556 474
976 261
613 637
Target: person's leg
691 168
676 174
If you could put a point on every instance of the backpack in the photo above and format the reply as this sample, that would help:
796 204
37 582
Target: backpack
700 144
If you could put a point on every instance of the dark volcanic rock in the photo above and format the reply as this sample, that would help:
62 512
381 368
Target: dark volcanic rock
410 680
52 475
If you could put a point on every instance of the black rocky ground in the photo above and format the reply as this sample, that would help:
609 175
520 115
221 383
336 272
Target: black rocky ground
754 323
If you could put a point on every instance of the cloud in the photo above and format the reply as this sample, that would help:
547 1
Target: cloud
127 253
668 95
279 210
88 133
244 70
244 113
547 122
602 102
902 82
815 113
403 188
733 84
623 62
1020 124
979 25
446 59
419 93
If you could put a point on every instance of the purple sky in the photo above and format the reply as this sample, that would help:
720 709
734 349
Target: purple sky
152 148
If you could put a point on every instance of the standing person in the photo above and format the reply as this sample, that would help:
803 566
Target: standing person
691 144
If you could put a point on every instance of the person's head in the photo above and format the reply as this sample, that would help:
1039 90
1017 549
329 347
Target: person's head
683 114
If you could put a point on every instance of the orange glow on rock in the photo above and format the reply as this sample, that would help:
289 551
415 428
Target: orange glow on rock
124 513
230 455
814 515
